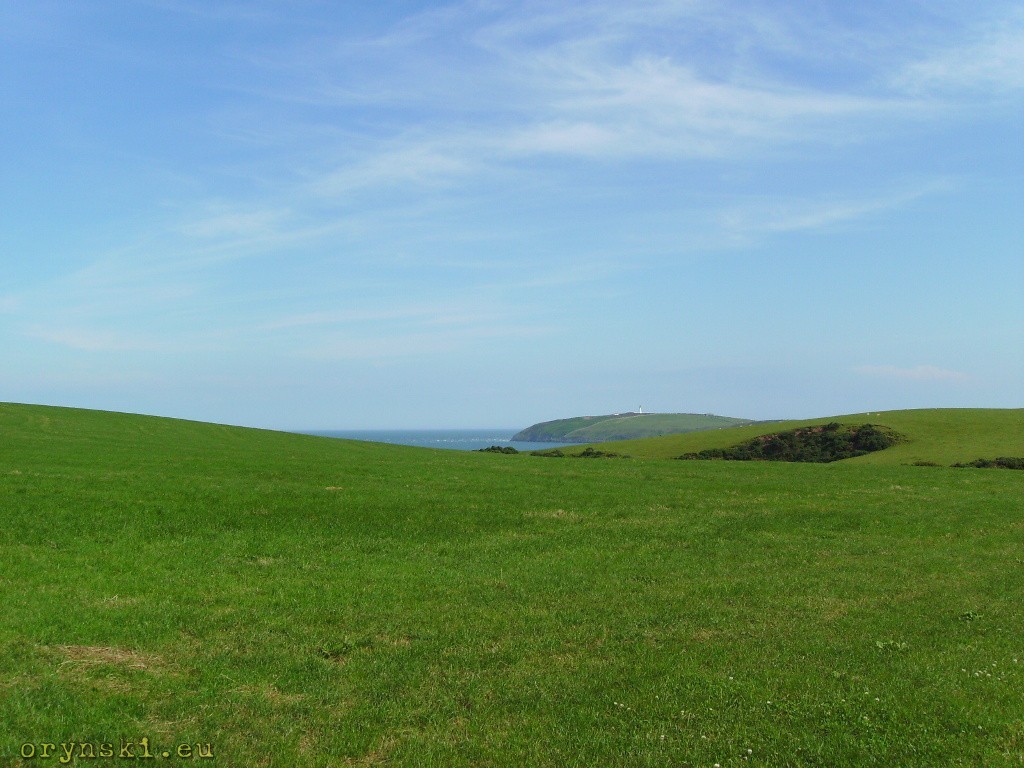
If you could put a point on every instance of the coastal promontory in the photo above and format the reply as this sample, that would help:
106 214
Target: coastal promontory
623 426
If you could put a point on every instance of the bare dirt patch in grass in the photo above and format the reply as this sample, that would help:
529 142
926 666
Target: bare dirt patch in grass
93 655
103 668
399 641
271 693
377 756
705 635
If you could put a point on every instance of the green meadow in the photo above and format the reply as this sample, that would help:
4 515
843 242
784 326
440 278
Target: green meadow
286 600
937 435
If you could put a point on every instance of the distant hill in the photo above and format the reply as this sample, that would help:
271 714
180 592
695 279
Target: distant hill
623 426
934 435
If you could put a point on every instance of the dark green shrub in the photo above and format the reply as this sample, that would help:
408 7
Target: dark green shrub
590 453
1001 462
819 444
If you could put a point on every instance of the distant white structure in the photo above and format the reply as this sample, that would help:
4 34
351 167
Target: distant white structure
640 409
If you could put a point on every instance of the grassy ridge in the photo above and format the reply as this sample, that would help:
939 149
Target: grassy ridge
623 426
300 601
940 435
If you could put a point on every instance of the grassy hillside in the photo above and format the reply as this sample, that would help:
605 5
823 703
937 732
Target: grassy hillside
298 601
622 426
940 435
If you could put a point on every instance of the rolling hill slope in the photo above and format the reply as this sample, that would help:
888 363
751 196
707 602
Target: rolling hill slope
940 435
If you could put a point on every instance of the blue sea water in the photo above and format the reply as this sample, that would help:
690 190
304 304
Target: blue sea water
450 439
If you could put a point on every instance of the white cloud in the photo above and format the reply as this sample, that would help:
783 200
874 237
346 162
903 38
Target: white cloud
94 339
989 60
801 215
659 106
234 223
915 373
416 314
489 84
414 343
10 304
430 161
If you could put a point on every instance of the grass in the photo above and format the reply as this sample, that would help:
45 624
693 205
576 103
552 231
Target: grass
941 435
300 601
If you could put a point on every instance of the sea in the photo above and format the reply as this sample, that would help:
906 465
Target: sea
449 439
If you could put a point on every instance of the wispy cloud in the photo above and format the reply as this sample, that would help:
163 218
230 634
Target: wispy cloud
416 343
417 162
989 61
915 373
234 223
418 315
492 84
657 108
493 179
803 215
95 340
468 92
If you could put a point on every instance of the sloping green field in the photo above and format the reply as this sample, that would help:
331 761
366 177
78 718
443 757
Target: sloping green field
287 600
941 435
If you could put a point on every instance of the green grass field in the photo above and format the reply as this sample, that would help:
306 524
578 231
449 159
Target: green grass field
940 435
298 601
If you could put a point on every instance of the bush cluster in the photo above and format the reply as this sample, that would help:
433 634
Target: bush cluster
590 453
1002 462
586 453
498 449
819 444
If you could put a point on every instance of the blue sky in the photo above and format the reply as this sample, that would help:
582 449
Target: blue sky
316 215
